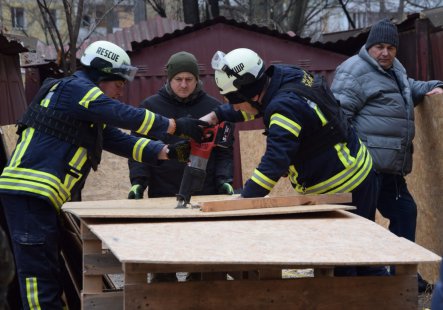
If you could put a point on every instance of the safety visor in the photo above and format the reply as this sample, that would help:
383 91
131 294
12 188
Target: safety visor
125 71
218 61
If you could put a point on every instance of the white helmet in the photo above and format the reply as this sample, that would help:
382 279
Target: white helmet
108 58
238 68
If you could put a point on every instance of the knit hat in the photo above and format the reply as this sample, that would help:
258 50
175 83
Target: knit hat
383 32
182 62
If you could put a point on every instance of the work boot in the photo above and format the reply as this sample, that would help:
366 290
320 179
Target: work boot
423 285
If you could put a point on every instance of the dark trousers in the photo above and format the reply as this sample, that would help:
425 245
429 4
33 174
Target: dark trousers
35 232
437 295
397 204
364 197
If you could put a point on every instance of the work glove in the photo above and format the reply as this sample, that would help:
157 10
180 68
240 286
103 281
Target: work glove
136 192
180 151
190 128
225 188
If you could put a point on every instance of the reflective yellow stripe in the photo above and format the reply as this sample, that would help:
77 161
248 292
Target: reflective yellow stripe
91 95
147 123
32 293
347 179
285 123
262 180
45 102
137 151
76 164
344 154
32 187
247 116
38 176
21 148
319 113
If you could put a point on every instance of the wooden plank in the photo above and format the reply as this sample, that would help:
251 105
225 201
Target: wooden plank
304 293
273 202
118 210
108 301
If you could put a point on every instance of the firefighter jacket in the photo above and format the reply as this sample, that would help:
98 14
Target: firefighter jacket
291 122
52 169
164 180
380 105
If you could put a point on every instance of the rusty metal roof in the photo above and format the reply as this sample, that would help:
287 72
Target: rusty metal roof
15 44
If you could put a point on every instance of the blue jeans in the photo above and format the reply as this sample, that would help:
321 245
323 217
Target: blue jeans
35 233
397 204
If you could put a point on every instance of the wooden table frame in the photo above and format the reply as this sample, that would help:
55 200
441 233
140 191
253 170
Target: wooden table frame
114 241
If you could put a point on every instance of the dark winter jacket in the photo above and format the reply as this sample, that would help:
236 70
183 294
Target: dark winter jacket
46 167
290 122
164 180
380 105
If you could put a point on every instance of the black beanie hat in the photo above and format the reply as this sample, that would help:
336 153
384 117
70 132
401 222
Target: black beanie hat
182 62
383 32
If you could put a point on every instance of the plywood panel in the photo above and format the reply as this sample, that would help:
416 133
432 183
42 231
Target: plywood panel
110 181
164 208
252 148
337 239
426 180
9 138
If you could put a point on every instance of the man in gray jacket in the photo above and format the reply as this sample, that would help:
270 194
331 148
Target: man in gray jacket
379 98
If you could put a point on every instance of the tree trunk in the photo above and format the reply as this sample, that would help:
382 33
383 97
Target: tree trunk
191 12
139 11
297 17
259 11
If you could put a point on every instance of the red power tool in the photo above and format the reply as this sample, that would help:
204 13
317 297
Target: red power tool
195 172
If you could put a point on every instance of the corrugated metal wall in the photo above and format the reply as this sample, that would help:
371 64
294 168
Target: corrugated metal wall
12 93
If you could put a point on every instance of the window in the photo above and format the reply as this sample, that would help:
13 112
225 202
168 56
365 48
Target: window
18 17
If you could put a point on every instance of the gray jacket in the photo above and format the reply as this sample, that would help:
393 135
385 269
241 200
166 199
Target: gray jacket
380 109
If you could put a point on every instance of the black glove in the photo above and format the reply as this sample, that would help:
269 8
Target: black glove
180 151
190 128
136 192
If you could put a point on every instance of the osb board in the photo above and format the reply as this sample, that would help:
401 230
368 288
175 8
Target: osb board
110 181
426 180
252 147
164 208
9 138
303 241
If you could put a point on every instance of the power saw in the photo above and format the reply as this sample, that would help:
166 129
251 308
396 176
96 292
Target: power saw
195 172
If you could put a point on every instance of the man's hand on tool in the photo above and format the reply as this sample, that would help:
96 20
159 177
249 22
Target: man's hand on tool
190 128
179 151
136 192
225 188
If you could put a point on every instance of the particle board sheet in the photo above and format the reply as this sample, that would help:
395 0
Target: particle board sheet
158 208
333 239
9 138
252 147
426 179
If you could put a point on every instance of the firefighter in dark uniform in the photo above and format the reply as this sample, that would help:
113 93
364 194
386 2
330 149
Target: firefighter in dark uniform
300 142
61 137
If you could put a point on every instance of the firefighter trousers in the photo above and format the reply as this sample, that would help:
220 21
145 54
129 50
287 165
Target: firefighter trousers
35 232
